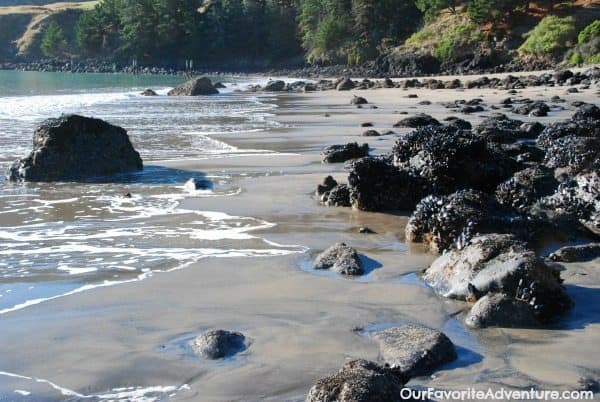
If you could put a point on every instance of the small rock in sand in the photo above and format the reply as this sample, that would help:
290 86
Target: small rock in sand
218 343
358 100
340 258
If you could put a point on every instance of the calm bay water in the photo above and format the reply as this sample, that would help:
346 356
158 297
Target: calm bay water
62 238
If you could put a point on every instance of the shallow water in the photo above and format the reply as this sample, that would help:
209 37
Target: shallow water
64 238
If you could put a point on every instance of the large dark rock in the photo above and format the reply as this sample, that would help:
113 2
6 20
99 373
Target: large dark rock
502 129
526 187
345 84
583 252
194 87
218 343
414 350
340 258
418 120
338 196
499 263
377 185
407 64
359 381
499 310
443 221
536 109
576 154
450 159
74 147
275 86
343 153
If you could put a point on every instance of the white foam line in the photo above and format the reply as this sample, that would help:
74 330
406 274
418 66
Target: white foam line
137 394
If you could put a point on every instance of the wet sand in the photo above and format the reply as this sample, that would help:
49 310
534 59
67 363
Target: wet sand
300 323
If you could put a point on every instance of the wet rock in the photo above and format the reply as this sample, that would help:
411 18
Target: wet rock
218 343
149 92
194 87
587 112
472 109
583 252
414 350
499 310
345 84
526 187
377 185
537 109
458 123
220 85
74 147
443 221
366 124
532 129
450 160
577 154
338 196
424 103
366 230
359 381
419 120
343 153
499 263
502 129
563 75
358 100
192 185
340 258
371 133
328 184
275 86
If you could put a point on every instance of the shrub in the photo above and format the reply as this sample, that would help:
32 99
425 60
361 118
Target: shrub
54 42
454 38
589 32
551 35
417 39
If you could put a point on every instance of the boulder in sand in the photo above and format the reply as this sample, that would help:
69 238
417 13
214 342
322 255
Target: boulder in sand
218 343
414 350
499 310
343 153
194 87
340 258
359 381
358 100
275 86
582 252
74 147
418 120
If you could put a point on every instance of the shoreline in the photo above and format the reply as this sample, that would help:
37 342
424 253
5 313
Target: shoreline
128 335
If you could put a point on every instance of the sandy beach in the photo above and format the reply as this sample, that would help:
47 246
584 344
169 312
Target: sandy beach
301 324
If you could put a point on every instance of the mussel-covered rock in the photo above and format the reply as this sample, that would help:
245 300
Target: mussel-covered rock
449 159
576 154
526 187
343 153
419 120
502 129
414 350
499 263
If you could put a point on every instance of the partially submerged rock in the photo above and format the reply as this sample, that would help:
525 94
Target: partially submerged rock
194 87
579 253
340 258
499 310
275 86
149 92
414 350
359 381
74 147
218 343
343 153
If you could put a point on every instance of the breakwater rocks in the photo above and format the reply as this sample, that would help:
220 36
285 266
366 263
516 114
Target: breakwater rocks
74 147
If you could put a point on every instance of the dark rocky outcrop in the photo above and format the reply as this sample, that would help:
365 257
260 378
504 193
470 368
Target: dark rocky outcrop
340 258
526 187
358 100
218 343
74 147
359 381
194 87
345 84
502 129
583 252
419 120
499 310
343 153
275 86
149 92
443 221
414 350
499 263
449 159
371 133
377 185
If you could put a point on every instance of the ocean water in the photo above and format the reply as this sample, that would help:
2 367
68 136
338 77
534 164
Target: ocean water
57 239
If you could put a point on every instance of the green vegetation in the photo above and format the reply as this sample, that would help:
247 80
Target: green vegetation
417 39
589 32
455 38
551 35
54 42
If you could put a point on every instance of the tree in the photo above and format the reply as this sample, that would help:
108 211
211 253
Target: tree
54 42
431 7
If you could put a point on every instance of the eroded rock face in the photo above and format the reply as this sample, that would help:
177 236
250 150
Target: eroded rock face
359 381
499 310
450 160
343 153
498 263
195 87
583 252
340 258
218 343
75 147
414 350
377 185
